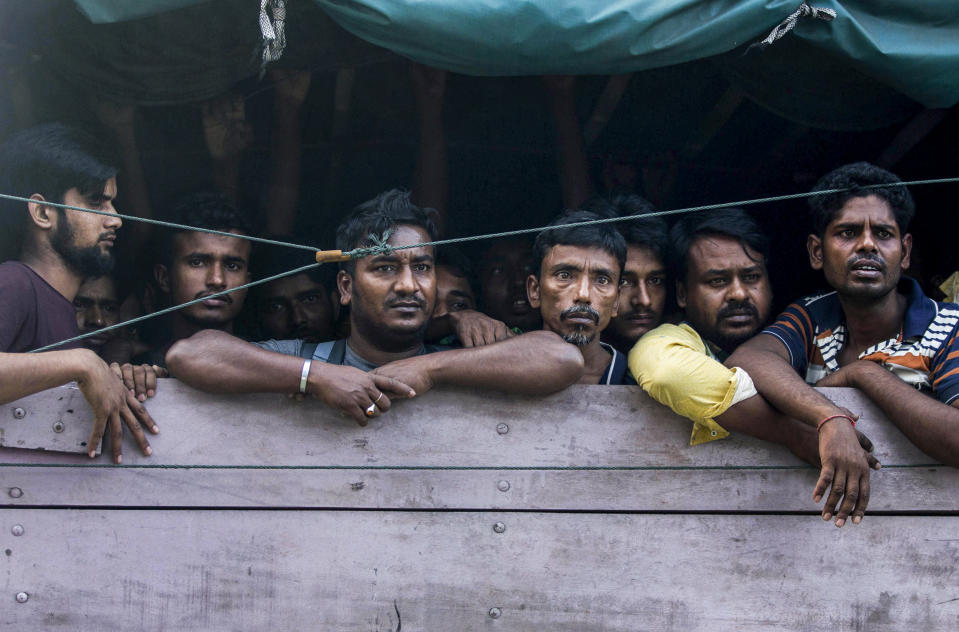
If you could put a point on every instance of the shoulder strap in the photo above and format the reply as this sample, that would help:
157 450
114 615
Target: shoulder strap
337 352
307 349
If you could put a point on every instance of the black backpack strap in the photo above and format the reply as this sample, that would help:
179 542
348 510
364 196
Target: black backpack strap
307 349
338 353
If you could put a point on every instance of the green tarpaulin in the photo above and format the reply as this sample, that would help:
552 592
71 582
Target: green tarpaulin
910 46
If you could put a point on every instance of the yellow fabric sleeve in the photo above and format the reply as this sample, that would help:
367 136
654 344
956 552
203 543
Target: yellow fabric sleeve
672 364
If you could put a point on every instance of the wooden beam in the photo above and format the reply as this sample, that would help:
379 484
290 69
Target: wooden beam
912 133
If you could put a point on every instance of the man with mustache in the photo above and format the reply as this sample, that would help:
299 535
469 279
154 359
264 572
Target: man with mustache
642 288
719 263
575 286
197 264
58 248
391 296
876 331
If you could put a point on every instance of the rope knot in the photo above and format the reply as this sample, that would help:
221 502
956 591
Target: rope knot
378 246
804 11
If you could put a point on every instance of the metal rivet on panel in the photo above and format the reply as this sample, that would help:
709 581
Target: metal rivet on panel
495 613
502 428
22 597
19 413
499 527
58 426
16 492
503 486
17 529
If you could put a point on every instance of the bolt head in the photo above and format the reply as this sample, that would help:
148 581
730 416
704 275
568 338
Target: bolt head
502 428
58 426
499 527
503 486
22 597
17 529
15 492
19 413
495 613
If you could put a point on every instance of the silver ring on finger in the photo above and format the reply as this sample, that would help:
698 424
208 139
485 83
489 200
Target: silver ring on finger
371 410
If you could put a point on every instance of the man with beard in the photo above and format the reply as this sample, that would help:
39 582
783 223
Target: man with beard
719 262
642 288
876 332
197 264
391 295
576 288
58 249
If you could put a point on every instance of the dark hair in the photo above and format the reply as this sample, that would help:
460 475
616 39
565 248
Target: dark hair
724 222
273 260
648 232
377 216
48 159
204 209
602 236
855 176
459 264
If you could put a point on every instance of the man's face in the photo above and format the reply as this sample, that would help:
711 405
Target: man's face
503 273
576 292
296 307
726 293
204 264
85 240
97 307
453 294
642 295
392 296
862 252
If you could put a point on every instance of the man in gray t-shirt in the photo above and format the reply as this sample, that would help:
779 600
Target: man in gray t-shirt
391 296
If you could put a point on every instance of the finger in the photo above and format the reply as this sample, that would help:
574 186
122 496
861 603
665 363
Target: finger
873 462
116 437
849 501
825 480
392 386
468 340
115 367
379 398
140 412
160 371
128 379
837 490
355 411
864 441
134 425
140 381
96 435
502 333
150 380
860 510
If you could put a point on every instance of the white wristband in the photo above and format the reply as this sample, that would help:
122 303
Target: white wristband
304 374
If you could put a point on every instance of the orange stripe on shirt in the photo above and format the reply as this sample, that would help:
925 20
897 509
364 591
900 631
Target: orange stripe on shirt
942 377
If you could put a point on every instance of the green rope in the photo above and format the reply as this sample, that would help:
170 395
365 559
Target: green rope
375 249
158 222
176 307
380 246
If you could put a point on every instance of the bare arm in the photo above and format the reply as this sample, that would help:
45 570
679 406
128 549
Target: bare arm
217 362
24 373
431 178
845 467
536 363
930 424
570 146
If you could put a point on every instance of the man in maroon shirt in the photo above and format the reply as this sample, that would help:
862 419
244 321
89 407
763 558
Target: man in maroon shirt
58 249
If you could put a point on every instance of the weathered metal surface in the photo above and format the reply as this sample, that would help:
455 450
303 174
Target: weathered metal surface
580 426
932 489
58 419
344 571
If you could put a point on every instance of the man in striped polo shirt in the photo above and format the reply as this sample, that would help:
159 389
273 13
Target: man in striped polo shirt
876 331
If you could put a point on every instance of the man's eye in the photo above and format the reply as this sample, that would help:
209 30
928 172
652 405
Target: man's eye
310 298
847 234
422 267
194 262
753 277
603 280
386 267
274 307
563 275
459 306
624 282
884 234
655 281
719 282
234 267
110 309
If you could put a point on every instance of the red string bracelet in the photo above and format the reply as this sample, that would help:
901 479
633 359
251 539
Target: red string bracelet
851 420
